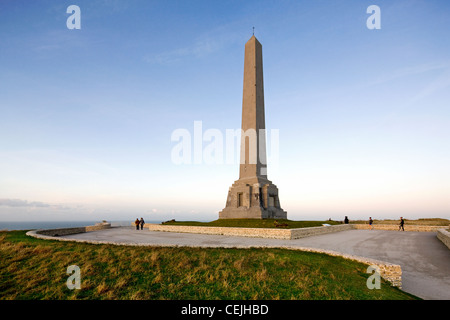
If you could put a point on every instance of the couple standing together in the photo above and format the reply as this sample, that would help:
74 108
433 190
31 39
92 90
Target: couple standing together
139 223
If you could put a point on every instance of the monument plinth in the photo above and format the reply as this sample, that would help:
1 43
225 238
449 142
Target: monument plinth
253 196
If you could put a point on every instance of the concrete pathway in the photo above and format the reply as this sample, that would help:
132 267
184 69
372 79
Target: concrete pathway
425 260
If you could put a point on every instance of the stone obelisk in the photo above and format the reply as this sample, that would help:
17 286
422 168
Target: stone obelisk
253 196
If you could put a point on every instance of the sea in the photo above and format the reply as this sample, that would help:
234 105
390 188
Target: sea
34 225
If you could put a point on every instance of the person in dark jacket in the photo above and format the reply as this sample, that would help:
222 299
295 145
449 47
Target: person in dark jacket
401 225
346 220
137 222
142 223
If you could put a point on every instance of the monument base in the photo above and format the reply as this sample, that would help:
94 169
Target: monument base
253 198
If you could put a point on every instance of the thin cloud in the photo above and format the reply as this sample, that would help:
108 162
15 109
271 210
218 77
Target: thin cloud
411 71
199 49
22 203
30 204
440 83
205 45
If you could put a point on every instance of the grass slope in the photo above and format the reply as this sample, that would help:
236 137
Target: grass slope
36 269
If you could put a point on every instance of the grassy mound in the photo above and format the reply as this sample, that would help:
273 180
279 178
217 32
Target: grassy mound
36 269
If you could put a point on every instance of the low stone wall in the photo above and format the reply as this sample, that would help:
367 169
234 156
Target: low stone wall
227 231
286 234
444 236
394 227
307 232
68 231
98 226
272 233
61 231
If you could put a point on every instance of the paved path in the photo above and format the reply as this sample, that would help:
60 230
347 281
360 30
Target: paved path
425 260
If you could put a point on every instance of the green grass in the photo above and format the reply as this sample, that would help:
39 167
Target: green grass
253 223
36 269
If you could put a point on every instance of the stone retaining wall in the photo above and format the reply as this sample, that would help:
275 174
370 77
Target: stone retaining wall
61 231
394 227
272 233
68 231
286 234
227 231
98 226
444 236
313 231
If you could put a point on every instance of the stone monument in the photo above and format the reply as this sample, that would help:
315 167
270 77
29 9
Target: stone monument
253 196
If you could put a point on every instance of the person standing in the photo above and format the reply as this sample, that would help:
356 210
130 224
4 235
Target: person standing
137 223
401 225
142 223
371 223
346 220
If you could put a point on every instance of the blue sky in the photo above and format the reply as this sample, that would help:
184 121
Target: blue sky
86 116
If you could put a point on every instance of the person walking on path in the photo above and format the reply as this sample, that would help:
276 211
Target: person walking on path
401 225
137 223
142 223
371 223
